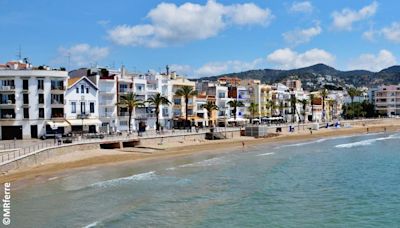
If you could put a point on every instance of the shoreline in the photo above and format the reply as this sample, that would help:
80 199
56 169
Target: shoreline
101 158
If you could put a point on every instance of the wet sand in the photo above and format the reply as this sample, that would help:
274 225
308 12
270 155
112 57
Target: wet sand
96 158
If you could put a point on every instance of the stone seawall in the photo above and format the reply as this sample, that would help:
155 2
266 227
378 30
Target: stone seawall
40 156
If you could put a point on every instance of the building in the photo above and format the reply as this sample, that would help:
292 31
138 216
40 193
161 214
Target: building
387 100
31 100
81 107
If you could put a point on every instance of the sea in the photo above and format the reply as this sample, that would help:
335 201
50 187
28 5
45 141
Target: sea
351 181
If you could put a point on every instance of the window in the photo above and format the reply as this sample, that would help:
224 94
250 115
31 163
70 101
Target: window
221 95
190 112
40 84
41 113
73 107
87 90
91 107
41 99
77 90
83 108
82 89
177 101
25 84
26 98
26 113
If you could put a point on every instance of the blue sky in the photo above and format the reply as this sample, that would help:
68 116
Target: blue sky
202 38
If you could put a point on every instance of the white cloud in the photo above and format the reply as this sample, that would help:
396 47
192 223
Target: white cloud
370 35
301 7
288 59
300 36
344 19
373 62
81 55
392 32
171 24
216 68
248 13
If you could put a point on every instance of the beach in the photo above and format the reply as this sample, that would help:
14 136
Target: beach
100 157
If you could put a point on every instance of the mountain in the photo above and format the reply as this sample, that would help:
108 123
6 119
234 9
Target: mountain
313 77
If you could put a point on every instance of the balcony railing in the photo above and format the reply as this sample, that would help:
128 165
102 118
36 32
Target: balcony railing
8 116
54 87
7 88
7 102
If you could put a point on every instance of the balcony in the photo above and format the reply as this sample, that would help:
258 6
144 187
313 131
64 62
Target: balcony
7 114
7 103
57 103
7 89
107 103
57 89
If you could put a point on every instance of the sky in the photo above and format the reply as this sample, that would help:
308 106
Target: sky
202 38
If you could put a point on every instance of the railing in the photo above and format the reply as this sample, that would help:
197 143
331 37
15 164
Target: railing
7 88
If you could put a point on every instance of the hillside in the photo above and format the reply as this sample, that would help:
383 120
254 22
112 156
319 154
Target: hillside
313 77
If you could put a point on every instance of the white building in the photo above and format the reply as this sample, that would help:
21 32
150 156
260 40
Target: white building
81 107
31 100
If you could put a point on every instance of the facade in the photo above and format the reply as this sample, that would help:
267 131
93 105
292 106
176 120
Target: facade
81 107
31 101
387 100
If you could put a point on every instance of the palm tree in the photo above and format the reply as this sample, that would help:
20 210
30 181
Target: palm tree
253 109
271 105
323 93
331 103
312 97
131 102
353 92
293 102
304 103
186 92
235 104
210 107
158 100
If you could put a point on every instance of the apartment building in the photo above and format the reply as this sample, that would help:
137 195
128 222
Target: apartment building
387 100
31 100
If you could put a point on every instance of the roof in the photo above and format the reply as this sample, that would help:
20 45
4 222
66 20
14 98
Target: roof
74 81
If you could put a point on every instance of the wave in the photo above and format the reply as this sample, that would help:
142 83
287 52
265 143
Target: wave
208 162
265 154
94 224
367 141
137 177
303 143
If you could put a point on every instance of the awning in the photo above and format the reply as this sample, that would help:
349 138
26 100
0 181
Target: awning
78 122
56 124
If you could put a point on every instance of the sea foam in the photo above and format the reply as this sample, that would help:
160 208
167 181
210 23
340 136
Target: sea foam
367 142
137 177
208 162
303 143
265 154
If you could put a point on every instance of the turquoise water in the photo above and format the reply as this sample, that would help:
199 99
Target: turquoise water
343 182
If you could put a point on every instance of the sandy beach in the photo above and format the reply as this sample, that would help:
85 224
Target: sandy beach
100 157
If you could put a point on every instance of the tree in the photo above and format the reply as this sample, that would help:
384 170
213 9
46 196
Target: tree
186 92
304 103
312 97
271 105
323 93
131 102
210 107
331 103
235 104
293 102
158 100
353 92
253 109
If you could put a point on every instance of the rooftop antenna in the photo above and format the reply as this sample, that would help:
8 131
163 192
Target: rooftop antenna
19 55
69 60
